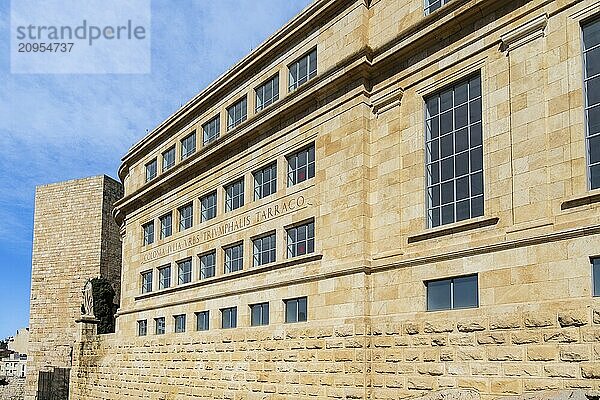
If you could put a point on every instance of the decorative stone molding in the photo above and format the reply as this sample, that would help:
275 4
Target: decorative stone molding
387 101
528 32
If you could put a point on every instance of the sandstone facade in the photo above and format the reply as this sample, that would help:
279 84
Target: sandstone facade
74 239
368 334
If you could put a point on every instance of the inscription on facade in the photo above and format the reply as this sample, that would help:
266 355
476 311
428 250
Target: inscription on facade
226 227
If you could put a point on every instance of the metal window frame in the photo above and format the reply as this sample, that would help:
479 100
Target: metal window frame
156 325
228 262
230 200
205 314
299 81
154 174
148 238
258 254
162 225
203 210
292 172
145 324
184 142
180 264
275 96
429 186
165 165
231 311
258 187
203 256
451 279
143 275
292 246
209 134
183 218
177 319
235 120
162 279
262 321
586 106
297 301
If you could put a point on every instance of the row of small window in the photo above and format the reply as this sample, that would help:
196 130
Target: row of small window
299 72
301 166
300 241
295 311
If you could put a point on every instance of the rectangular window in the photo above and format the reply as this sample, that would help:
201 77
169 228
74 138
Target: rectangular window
596 277
168 159
148 229
301 166
454 154
591 60
188 145
295 310
185 271
151 170
166 225
302 70
265 181
259 314
267 93
237 113
229 317
208 205
164 277
202 320
179 323
449 294
234 195
432 5
234 258
186 217
142 327
264 250
159 324
146 282
211 129
301 240
207 265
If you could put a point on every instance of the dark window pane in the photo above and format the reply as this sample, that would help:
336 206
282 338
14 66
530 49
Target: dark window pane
446 101
593 117
447 145
477 207
591 34
477 184
460 117
302 309
462 210
462 188
434 196
475 87
447 192
461 139
592 62
594 145
434 217
460 94
447 168
448 214
593 89
291 311
432 106
475 111
476 138
465 292
434 173
434 151
446 123
462 164
476 159
595 177
433 128
438 295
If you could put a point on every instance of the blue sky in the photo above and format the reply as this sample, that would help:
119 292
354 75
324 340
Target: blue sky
59 127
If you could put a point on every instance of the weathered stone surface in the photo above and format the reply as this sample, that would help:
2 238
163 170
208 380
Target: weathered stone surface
573 318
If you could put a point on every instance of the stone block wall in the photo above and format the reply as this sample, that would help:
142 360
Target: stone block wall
75 239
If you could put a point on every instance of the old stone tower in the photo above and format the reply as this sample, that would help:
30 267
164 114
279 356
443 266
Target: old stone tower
75 238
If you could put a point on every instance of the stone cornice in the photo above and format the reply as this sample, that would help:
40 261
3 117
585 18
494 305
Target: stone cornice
525 33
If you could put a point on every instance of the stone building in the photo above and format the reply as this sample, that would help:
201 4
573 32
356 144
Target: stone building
75 239
20 341
13 366
384 199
